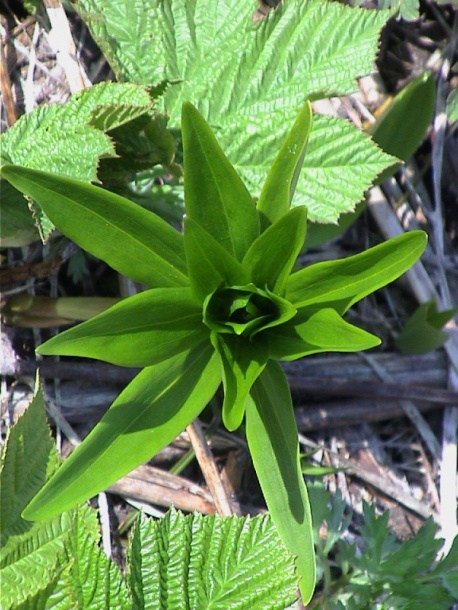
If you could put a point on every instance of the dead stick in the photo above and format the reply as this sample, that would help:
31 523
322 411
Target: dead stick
210 471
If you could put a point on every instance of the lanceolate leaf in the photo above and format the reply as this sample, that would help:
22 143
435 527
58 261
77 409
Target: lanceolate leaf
314 332
209 264
132 240
233 72
280 184
215 195
242 362
350 279
161 401
272 438
142 330
271 257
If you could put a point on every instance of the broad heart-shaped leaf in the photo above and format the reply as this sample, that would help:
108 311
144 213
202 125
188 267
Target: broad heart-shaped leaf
242 361
132 240
314 332
209 264
249 79
341 283
272 439
215 196
273 254
280 184
141 330
154 408
196 561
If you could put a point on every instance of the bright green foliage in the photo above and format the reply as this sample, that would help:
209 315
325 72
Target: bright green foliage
377 571
69 139
241 312
209 562
57 562
402 126
452 105
177 562
423 330
247 80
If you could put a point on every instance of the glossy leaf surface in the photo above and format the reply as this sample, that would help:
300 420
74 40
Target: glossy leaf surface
141 330
215 195
272 255
315 332
350 279
209 264
154 408
133 241
280 184
272 439
242 362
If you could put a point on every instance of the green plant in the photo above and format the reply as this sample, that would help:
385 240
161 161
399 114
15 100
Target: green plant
223 306
247 80
177 562
375 571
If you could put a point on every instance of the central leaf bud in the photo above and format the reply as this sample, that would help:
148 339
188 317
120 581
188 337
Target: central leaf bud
245 310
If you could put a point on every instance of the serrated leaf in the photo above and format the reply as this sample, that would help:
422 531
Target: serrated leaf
316 332
245 88
28 444
272 438
133 241
55 596
93 579
106 106
215 196
65 147
341 283
142 330
154 408
209 562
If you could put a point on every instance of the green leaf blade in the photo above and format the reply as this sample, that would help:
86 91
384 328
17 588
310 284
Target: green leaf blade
141 330
242 363
272 255
317 332
154 408
350 279
209 264
272 438
215 196
278 190
133 241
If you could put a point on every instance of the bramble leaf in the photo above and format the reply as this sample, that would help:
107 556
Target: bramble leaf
231 69
210 562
